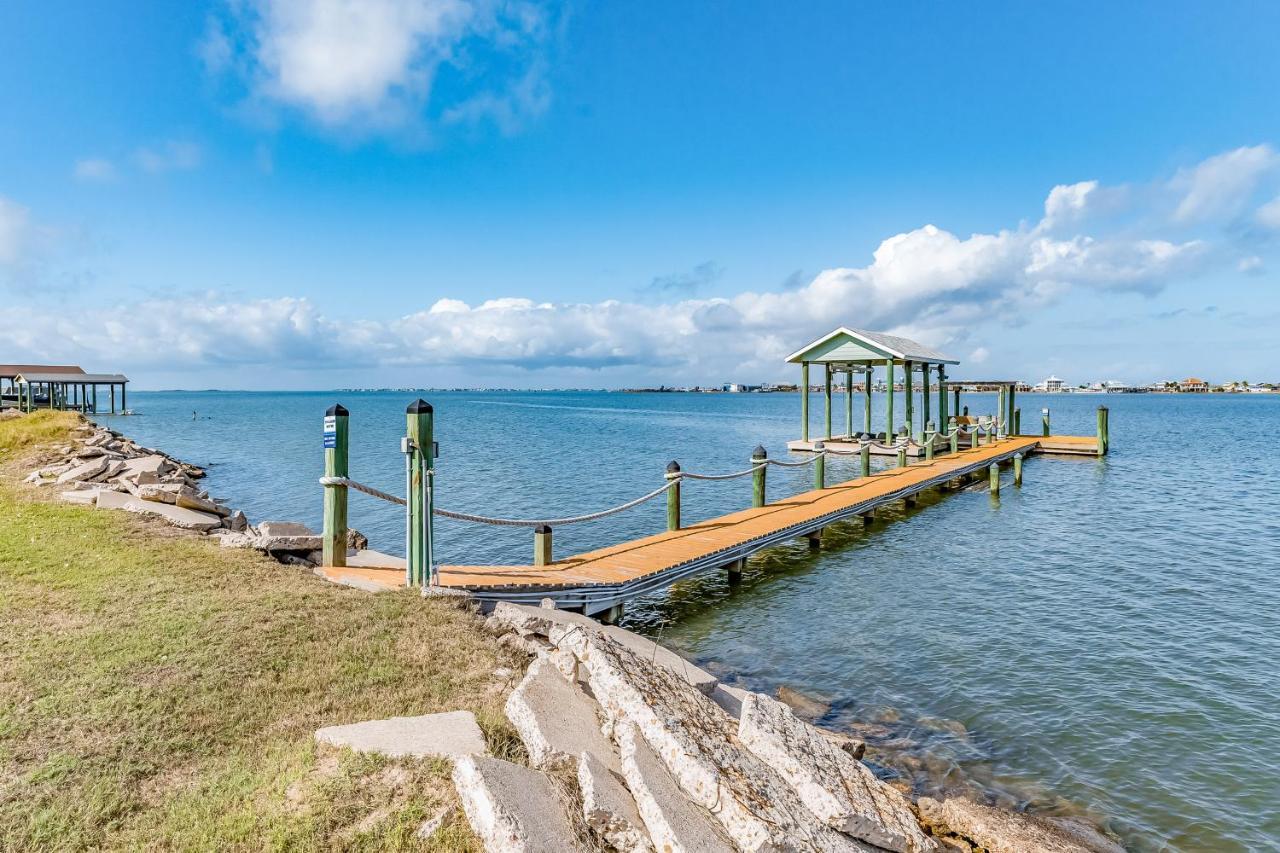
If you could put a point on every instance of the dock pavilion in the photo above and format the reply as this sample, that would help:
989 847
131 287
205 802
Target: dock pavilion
855 351
67 387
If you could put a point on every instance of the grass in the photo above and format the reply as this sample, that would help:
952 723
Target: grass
161 692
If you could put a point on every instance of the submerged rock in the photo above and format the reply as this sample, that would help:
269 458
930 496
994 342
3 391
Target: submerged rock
1001 831
809 707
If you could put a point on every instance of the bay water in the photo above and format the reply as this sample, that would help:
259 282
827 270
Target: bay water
1103 641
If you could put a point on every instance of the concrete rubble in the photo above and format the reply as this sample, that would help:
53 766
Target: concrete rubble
512 809
1000 831
448 735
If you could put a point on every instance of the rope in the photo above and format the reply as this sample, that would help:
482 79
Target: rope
692 476
361 487
813 458
555 522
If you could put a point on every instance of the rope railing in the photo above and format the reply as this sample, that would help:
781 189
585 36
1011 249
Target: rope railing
694 476
361 487
555 522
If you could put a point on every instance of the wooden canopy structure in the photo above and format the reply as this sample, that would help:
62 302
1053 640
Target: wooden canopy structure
851 351
65 388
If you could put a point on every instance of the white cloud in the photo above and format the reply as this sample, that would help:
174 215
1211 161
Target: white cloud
373 64
1222 185
95 169
1251 265
169 156
15 229
1068 203
980 355
1269 214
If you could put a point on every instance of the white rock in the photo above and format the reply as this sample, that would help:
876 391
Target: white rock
87 471
729 698
511 808
830 782
446 735
609 808
1000 831
556 720
539 620
661 655
187 519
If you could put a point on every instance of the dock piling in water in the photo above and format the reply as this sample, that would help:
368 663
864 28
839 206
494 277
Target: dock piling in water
1017 469
1044 420
336 444
864 458
819 466
759 458
1104 429
420 428
994 471
542 545
673 496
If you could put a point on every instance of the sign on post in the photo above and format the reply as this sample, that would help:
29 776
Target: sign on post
330 431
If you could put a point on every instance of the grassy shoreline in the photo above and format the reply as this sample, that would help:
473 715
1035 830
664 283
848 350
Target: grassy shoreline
159 691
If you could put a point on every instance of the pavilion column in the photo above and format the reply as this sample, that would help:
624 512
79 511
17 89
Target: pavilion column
956 391
908 392
113 398
826 397
95 399
848 403
804 401
924 398
888 433
943 419
866 398
1013 389
124 404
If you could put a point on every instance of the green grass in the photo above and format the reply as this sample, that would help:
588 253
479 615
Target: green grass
158 691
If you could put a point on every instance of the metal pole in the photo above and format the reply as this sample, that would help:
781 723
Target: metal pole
406 447
419 428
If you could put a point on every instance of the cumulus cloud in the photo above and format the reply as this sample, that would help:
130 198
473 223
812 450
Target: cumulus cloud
1269 214
357 64
97 169
1222 185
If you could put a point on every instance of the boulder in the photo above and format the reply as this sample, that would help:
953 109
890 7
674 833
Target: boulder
447 735
608 807
1001 831
202 504
287 536
809 707
87 471
236 539
236 521
511 808
698 744
831 783
154 463
556 720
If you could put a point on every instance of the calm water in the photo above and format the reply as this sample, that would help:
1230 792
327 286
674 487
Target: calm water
1105 639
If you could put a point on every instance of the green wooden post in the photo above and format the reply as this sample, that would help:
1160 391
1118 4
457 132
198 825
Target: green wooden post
1017 469
955 435
1044 420
421 431
542 546
864 457
804 401
1013 411
95 399
848 403
758 458
924 394
955 390
902 449
113 398
827 398
866 399
1103 438
942 394
910 399
928 440
334 547
994 470
124 398
1017 421
820 466
889 429
999 420
673 496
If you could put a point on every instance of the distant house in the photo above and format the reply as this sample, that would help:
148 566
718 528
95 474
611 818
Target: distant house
1193 386
1052 385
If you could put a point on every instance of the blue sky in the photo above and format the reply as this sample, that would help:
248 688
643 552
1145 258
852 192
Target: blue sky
318 193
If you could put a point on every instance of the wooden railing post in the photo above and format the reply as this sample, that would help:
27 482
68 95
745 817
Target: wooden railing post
1017 469
864 457
421 430
673 496
904 437
1044 420
334 543
929 436
820 466
994 471
758 458
542 545
955 434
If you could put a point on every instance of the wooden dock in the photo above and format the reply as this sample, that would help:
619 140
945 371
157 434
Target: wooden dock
601 580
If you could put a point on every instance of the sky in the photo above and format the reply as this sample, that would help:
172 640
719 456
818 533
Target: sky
299 194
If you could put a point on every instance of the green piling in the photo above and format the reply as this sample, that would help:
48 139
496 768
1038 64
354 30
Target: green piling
848 403
910 406
804 401
866 399
1017 421
1017 469
993 471
827 399
673 496
334 547
820 466
1044 420
542 545
758 459
864 458
421 430
889 428
1104 437
955 434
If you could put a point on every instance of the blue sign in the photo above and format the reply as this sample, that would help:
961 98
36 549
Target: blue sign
330 440
330 432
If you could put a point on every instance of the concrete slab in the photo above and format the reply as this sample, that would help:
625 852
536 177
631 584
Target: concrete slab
512 809
729 698
188 519
448 735
371 559
608 806
662 656
539 620
556 720
86 497
87 471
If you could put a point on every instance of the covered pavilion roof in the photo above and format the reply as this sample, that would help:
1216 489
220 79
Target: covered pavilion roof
8 371
81 378
857 346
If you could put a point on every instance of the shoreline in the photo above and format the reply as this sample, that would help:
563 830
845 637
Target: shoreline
183 477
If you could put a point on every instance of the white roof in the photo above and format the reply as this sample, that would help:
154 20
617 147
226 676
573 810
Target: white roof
892 346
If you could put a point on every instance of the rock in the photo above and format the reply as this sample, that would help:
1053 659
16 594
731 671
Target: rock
236 522
287 536
729 698
661 655
236 540
555 719
698 744
675 824
1000 831
539 620
89 452
448 735
188 519
79 496
160 493
530 645
201 504
608 807
429 826
355 539
809 707
153 464
143 478
511 808
831 784
87 471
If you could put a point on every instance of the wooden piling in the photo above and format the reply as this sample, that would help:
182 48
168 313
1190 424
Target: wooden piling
848 403
1104 431
1044 420
819 466
419 417
334 542
1017 421
826 412
955 435
542 545
1017 469
758 459
993 471
866 399
804 401
929 436
889 430
864 458
910 399
673 496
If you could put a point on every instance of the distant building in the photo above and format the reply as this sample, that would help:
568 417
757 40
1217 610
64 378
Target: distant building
1193 386
1052 385
738 388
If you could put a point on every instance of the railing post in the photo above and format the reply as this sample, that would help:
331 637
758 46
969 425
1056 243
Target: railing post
929 436
820 466
994 470
758 459
1104 439
1017 421
334 544
1044 420
542 545
1017 469
955 434
904 437
673 496
864 456
421 430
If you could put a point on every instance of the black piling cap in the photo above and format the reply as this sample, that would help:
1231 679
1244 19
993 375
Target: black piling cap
339 410
759 453
542 528
818 445
673 466
419 407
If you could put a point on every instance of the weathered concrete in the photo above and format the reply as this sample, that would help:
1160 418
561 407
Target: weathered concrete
608 806
698 744
177 516
555 719
662 656
446 735
79 496
511 808
1000 831
729 698
87 471
367 558
287 536
187 501
539 620
675 824
152 464
834 786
